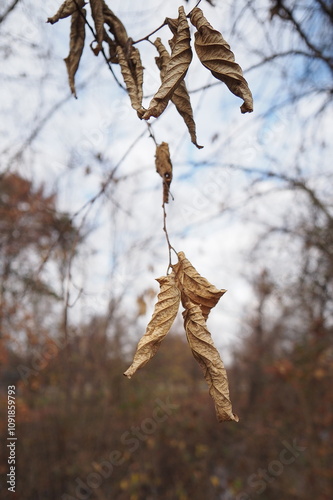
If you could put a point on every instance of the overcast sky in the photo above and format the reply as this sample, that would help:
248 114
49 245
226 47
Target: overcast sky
210 218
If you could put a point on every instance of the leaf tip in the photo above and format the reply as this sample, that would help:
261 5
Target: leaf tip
246 107
127 374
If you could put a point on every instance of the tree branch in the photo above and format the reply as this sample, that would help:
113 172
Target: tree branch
8 11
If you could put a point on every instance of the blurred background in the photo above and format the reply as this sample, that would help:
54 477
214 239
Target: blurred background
81 242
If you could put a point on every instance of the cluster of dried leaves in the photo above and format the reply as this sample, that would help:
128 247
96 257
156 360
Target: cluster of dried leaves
210 46
198 296
184 284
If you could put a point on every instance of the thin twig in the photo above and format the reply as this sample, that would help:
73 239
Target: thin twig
150 34
189 14
170 247
151 133
9 10
109 178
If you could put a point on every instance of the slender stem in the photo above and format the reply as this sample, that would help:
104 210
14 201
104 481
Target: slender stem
170 247
110 177
160 27
150 34
8 11
188 15
151 133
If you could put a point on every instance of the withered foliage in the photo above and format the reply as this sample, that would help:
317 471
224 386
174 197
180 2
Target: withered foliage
164 315
196 287
184 284
198 297
215 54
77 38
180 96
164 168
132 71
176 68
66 9
97 14
206 354
210 46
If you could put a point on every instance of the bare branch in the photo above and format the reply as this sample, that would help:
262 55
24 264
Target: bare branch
8 11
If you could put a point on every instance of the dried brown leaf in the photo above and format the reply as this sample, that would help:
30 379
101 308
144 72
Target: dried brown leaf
164 168
98 17
180 97
137 70
176 69
116 26
206 354
132 71
195 287
66 9
112 48
163 317
215 54
77 37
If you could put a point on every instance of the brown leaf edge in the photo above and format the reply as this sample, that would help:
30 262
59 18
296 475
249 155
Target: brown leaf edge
215 54
164 167
98 17
207 356
77 38
195 287
163 317
180 97
66 9
176 70
132 71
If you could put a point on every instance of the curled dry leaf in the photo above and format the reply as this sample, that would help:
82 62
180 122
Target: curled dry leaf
195 287
66 9
206 354
215 54
136 67
112 48
129 58
132 71
164 168
163 317
176 69
77 37
98 17
180 97
116 26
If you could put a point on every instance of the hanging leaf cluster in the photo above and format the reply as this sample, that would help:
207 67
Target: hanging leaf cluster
211 48
184 284
198 296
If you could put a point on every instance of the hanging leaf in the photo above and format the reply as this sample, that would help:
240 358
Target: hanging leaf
207 356
128 57
98 17
136 67
215 54
163 317
77 37
180 97
116 26
164 168
66 9
176 69
112 48
132 71
194 286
